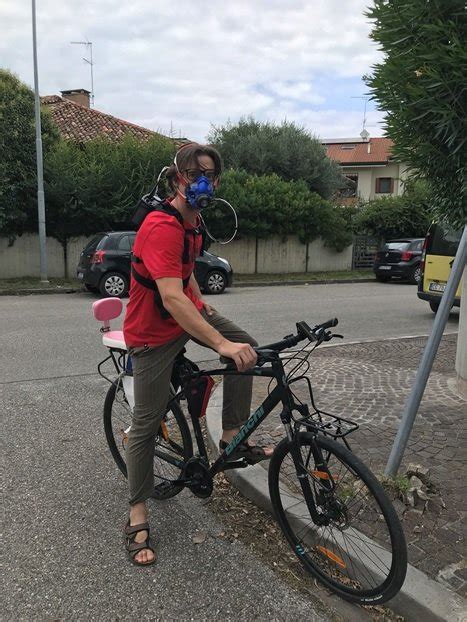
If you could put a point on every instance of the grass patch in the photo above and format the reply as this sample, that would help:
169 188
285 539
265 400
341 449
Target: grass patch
306 276
398 485
29 282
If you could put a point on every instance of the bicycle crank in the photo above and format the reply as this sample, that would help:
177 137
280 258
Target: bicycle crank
197 477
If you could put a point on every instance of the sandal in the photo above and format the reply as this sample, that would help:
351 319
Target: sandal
133 547
251 453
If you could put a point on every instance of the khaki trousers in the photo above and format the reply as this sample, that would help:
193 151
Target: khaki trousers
152 371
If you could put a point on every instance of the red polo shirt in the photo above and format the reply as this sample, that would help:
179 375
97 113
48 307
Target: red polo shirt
159 244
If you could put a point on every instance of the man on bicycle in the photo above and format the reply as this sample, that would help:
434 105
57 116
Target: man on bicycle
160 320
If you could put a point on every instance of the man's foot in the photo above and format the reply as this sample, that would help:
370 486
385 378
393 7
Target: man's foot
252 453
138 518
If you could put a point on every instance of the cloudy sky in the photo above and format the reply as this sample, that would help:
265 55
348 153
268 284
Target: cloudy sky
188 65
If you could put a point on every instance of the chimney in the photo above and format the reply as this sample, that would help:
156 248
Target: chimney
78 96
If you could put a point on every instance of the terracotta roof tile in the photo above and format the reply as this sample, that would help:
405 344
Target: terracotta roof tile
80 123
376 151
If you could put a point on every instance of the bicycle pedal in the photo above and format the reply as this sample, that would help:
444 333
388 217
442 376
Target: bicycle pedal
236 464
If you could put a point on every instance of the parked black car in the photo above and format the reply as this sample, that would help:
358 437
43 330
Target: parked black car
399 258
104 266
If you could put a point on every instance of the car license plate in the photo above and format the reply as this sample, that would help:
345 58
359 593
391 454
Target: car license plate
80 275
385 267
437 287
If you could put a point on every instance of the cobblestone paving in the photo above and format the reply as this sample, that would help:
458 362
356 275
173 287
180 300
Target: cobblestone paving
369 383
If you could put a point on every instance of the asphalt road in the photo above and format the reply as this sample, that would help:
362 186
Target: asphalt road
52 336
65 502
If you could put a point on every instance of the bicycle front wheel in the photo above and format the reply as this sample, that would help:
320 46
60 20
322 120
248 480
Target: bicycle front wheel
359 551
173 444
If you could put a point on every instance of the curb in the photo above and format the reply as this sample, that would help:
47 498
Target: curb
302 282
72 290
37 291
420 598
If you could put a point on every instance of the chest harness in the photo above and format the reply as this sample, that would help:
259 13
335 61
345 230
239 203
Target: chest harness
186 258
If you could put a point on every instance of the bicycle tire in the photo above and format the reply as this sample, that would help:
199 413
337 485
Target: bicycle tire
179 430
331 567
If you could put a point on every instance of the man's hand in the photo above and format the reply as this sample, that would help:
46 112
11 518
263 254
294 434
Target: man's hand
242 354
207 307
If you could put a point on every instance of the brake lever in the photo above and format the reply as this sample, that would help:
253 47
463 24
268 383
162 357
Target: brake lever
339 336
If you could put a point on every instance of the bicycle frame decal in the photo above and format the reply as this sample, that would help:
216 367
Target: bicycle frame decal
252 422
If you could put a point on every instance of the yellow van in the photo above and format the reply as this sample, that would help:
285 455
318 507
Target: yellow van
439 250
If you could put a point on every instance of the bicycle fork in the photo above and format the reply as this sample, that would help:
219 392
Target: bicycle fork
304 476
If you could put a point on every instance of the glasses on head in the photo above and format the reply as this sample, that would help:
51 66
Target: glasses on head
192 174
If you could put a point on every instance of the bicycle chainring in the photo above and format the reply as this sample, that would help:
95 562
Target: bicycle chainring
200 481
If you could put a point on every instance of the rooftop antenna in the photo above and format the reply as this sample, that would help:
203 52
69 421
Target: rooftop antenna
364 109
89 61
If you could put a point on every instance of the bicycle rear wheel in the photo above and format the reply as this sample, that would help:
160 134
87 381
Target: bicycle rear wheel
173 445
360 552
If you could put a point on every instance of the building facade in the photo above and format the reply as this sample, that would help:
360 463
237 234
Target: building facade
368 165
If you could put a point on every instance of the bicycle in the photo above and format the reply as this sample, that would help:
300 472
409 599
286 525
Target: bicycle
332 510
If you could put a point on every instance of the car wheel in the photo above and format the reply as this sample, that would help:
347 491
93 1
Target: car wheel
90 288
382 279
416 274
114 284
434 306
215 282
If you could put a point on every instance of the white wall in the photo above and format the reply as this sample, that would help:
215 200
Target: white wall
22 258
278 256
367 179
240 253
272 256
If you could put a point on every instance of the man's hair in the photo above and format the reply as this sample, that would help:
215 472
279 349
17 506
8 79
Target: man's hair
188 157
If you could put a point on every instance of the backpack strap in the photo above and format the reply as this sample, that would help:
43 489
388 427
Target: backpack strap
150 283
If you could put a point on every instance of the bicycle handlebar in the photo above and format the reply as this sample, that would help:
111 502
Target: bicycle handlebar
303 332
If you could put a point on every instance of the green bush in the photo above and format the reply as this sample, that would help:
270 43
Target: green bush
267 205
96 185
18 175
392 217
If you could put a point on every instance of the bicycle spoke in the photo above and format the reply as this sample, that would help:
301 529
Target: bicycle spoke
347 506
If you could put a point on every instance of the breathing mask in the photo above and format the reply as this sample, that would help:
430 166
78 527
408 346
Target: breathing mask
199 193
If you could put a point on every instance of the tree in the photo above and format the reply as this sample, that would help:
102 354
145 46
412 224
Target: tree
392 217
420 83
96 185
18 176
287 150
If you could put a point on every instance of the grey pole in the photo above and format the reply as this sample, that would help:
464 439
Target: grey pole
40 170
426 363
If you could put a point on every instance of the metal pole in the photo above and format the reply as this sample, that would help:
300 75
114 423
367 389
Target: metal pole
40 170
426 363
92 77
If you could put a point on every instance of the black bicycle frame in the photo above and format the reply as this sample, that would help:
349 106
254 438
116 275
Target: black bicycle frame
279 394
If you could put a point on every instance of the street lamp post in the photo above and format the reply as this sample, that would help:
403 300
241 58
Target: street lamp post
40 168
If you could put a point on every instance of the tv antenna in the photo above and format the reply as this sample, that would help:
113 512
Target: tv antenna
367 99
89 61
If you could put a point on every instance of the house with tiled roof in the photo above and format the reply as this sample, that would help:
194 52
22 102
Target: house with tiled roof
77 121
369 166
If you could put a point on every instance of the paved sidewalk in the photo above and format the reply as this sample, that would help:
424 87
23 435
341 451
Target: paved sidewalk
65 505
369 383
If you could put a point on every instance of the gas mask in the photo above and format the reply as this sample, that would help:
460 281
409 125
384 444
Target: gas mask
199 193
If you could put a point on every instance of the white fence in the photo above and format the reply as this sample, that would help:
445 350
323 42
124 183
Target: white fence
273 255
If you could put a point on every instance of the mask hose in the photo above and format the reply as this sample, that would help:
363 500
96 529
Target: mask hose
211 237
